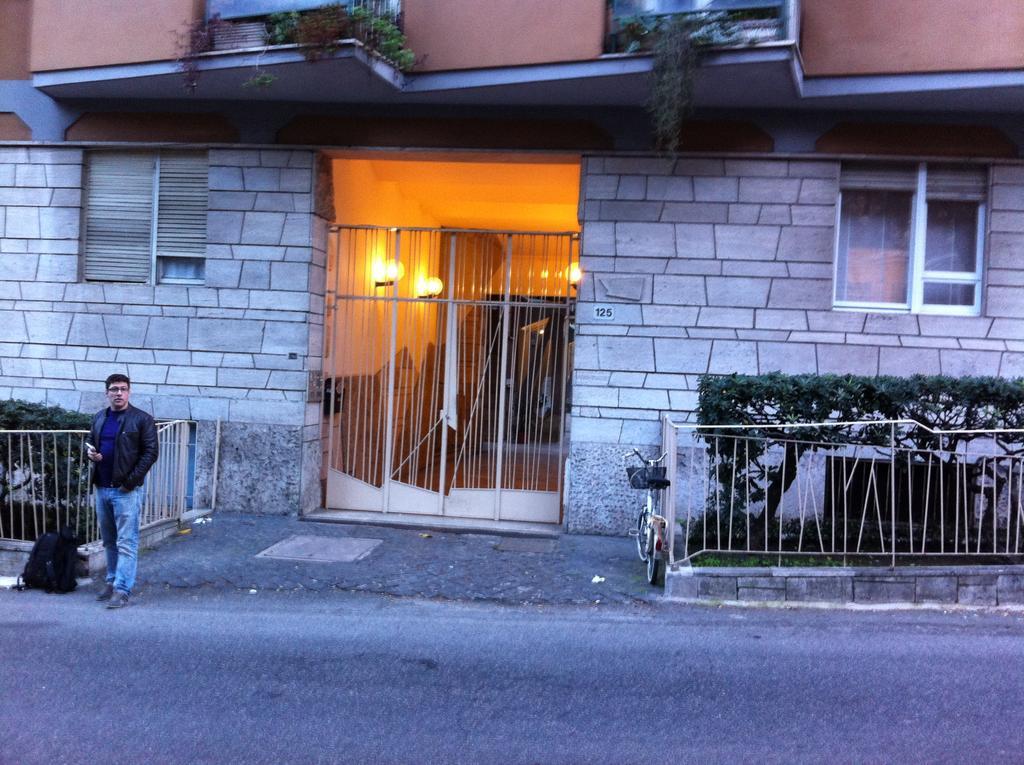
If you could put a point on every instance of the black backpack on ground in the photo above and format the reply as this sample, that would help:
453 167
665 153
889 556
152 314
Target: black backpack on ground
51 564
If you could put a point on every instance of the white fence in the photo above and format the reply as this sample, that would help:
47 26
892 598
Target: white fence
892 489
44 482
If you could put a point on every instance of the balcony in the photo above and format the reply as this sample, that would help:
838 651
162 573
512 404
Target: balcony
539 65
555 60
242 24
634 24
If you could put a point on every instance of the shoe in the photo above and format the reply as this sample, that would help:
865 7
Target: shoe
106 592
118 600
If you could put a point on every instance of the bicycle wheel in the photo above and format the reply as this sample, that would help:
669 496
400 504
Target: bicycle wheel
642 532
655 562
655 568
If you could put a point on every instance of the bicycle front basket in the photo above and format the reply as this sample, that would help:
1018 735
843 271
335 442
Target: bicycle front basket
640 477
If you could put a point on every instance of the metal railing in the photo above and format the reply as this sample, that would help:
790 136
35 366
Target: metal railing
887 490
44 482
243 9
446 359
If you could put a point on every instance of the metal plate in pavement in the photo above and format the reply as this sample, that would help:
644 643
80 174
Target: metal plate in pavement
321 549
526 544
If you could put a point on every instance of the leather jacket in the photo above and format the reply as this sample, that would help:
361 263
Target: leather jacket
135 449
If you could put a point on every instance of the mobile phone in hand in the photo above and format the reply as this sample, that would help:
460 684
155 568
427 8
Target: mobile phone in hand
89 447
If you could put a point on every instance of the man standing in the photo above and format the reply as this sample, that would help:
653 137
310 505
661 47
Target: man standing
123 447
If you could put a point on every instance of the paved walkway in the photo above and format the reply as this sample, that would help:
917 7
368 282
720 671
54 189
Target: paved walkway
222 554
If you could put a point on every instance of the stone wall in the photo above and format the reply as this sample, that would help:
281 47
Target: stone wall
239 348
947 585
717 266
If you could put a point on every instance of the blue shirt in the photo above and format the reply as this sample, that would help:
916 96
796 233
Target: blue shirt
108 440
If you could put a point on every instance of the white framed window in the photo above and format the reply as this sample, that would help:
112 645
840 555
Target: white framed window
910 238
145 216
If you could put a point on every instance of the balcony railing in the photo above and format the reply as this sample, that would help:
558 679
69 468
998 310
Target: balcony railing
635 23
229 10
240 24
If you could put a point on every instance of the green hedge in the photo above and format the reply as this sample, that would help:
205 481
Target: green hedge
942 403
23 415
37 470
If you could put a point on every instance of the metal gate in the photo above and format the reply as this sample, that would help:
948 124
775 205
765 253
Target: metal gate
446 361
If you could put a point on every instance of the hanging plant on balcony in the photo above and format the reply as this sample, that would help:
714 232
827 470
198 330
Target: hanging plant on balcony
382 35
679 43
281 27
197 38
260 79
319 31
671 99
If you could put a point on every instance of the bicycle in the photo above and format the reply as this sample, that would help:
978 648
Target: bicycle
650 524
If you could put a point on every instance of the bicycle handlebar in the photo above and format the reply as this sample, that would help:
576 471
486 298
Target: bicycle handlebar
636 453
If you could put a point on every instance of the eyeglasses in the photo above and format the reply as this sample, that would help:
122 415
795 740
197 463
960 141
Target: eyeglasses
117 390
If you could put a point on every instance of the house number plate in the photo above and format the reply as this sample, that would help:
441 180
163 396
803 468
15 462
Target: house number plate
604 313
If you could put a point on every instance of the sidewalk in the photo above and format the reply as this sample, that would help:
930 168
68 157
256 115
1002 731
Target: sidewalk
222 554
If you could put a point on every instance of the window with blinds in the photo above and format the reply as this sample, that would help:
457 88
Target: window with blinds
911 238
145 216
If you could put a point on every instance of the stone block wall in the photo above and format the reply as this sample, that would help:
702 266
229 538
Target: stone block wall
239 348
718 265
926 585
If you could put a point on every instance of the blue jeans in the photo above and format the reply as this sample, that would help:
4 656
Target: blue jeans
118 513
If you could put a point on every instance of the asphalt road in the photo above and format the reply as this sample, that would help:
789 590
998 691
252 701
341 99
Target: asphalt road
286 678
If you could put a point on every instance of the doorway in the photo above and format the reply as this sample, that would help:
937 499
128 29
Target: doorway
451 286
448 355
